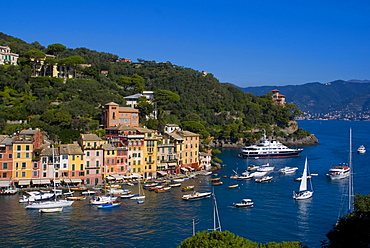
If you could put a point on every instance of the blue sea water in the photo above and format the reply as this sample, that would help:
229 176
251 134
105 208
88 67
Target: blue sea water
164 220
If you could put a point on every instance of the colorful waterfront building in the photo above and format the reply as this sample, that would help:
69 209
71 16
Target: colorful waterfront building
73 168
186 147
26 149
92 146
151 139
110 158
6 161
166 156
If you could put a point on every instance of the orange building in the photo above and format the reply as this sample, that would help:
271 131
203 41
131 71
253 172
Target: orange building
114 115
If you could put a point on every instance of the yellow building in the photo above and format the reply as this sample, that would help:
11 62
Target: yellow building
72 163
149 166
22 161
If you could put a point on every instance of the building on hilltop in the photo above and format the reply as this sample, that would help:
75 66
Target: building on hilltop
7 57
114 115
278 98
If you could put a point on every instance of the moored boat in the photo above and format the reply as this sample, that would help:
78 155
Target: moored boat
110 205
215 179
338 172
100 200
233 186
268 149
361 149
76 198
49 204
217 183
50 210
244 203
164 189
288 170
265 179
188 188
196 196
303 192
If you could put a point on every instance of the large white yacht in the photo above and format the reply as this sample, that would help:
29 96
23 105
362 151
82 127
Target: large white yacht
339 171
268 149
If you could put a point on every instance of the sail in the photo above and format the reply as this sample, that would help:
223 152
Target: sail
303 186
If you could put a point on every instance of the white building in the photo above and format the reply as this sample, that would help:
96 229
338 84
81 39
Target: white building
6 57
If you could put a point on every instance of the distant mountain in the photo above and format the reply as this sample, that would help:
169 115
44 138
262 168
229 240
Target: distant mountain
351 96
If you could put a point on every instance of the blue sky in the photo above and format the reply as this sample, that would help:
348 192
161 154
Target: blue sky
247 43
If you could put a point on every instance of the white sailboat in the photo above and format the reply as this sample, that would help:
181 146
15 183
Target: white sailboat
50 204
139 197
303 193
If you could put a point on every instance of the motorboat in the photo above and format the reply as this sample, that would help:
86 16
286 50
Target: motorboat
258 173
215 179
252 167
288 170
188 188
109 205
196 196
245 177
163 189
175 185
88 192
361 149
233 186
266 167
340 171
100 200
127 196
265 179
303 192
217 183
50 210
268 149
76 198
244 203
49 204
34 196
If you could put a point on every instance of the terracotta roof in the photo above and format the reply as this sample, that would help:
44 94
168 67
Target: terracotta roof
90 137
112 104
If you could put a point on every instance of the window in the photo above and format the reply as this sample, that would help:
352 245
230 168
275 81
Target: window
4 174
27 147
65 157
73 174
27 154
5 166
34 165
87 163
88 154
23 174
18 154
23 165
73 167
44 167
10 155
97 154
64 166
97 172
97 163
34 173
18 147
81 167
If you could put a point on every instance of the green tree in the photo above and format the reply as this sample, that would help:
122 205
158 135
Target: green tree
35 57
353 229
56 49
227 239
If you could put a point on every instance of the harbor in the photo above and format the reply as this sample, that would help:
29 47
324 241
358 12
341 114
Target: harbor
165 218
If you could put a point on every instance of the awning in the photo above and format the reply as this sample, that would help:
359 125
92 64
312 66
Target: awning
110 178
137 175
56 180
72 180
191 168
162 173
40 181
5 183
24 182
184 169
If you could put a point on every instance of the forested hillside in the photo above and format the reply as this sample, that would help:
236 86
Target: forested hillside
65 107
337 96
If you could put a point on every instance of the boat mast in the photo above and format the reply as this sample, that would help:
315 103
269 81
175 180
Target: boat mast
350 183
216 216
